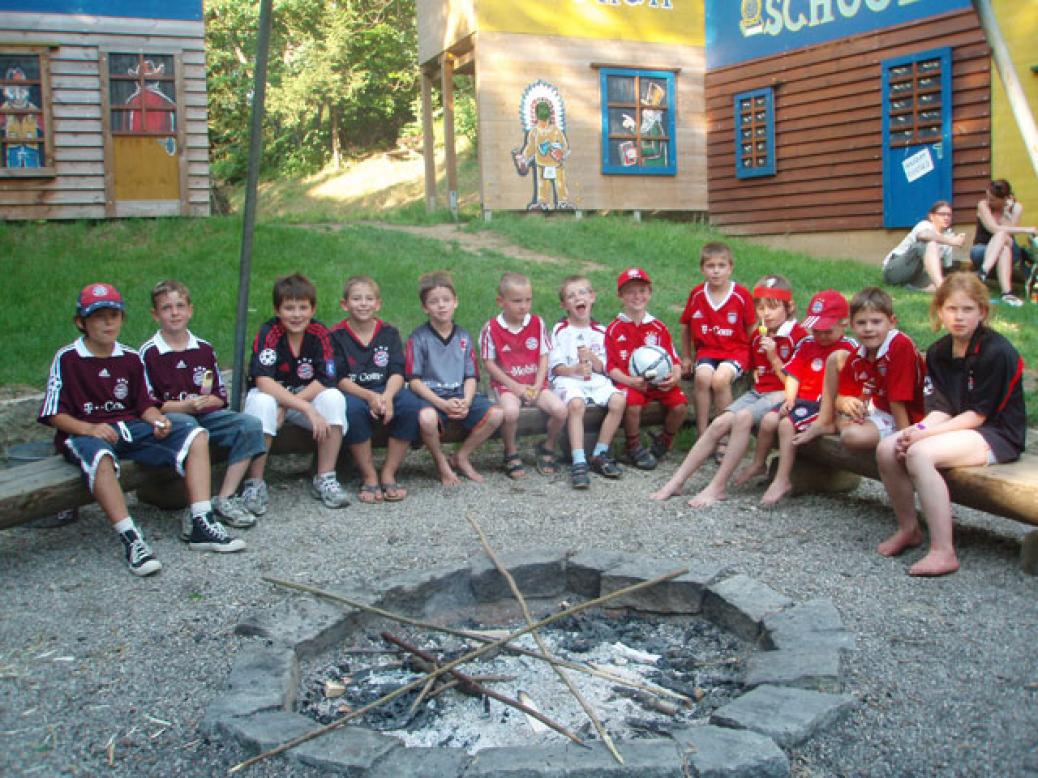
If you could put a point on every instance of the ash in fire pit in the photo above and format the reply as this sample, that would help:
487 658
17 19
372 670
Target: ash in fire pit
693 659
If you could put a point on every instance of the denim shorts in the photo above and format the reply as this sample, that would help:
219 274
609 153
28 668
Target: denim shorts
478 409
403 425
239 433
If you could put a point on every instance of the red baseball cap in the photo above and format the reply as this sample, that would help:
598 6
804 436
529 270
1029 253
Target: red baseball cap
97 296
631 274
826 309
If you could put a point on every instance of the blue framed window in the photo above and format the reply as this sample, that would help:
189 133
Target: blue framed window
755 133
638 122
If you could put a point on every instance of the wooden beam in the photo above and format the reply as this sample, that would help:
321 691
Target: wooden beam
428 143
447 87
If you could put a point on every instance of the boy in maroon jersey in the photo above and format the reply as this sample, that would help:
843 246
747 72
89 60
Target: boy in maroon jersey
184 375
634 327
514 347
292 374
826 320
99 402
876 390
716 327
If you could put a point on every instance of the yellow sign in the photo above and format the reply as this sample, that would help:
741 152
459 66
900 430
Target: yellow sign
651 21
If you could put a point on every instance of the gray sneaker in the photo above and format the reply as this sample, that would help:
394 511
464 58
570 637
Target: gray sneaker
254 497
231 511
329 491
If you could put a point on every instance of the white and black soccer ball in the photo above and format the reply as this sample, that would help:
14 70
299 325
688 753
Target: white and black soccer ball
652 363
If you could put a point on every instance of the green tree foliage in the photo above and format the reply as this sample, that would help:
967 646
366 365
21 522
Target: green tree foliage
342 76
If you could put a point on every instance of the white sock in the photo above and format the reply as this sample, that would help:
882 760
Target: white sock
123 525
201 508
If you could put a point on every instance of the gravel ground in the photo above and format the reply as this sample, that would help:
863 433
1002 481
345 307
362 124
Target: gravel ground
103 673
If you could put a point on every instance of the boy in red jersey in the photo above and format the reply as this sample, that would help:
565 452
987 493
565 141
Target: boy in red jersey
514 347
99 402
876 390
634 327
292 377
772 346
805 372
716 326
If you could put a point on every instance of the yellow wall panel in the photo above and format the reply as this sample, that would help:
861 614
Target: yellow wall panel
1018 20
144 169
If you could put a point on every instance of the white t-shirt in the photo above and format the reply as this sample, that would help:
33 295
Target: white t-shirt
912 238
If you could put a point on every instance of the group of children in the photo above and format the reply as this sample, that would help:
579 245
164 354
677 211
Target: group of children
165 404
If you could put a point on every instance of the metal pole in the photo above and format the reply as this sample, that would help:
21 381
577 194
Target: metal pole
1010 81
252 183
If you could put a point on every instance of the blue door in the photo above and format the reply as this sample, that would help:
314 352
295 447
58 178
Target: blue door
917 150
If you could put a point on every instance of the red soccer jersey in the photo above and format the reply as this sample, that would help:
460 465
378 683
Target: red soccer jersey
808 365
179 375
623 336
721 331
517 352
786 338
895 374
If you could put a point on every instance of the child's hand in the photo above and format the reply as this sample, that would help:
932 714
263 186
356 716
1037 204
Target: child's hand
457 408
669 382
377 406
768 344
106 432
162 427
319 424
786 408
852 407
530 395
639 383
686 367
387 413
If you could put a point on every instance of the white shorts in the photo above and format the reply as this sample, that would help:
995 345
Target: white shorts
884 422
330 403
597 391
756 403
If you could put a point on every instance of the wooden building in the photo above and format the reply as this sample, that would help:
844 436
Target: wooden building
834 116
582 104
103 110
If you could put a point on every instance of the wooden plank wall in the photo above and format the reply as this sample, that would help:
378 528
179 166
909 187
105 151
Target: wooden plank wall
442 24
77 191
828 130
507 62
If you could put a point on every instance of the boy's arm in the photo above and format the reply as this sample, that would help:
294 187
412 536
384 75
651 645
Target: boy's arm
686 348
501 377
70 425
900 413
284 397
418 386
792 388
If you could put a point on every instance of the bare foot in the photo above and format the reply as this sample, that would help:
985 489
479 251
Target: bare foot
900 541
936 563
665 491
775 493
749 471
447 475
707 497
465 467
813 431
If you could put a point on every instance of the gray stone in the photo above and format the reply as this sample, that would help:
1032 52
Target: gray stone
1029 553
309 624
263 677
406 762
642 758
347 750
719 752
426 592
805 668
683 594
584 570
811 624
740 603
264 731
537 573
786 715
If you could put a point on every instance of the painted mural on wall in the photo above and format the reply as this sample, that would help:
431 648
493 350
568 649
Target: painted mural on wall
21 118
545 148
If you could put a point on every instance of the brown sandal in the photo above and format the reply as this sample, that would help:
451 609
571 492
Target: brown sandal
393 492
370 494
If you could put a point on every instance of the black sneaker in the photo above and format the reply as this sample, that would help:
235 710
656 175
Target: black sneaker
578 475
138 554
658 448
641 458
605 466
207 534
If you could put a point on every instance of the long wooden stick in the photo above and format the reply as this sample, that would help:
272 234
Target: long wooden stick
484 649
597 672
566 681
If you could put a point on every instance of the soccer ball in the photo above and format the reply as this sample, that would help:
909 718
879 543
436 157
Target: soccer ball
651 363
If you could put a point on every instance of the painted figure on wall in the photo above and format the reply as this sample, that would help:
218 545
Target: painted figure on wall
652 146
545 147
159 110
21 122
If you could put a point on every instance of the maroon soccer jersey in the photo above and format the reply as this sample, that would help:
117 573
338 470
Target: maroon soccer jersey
272 357
518 352
98 390
895 375
623 336
179 375
808 365
721 331
787 338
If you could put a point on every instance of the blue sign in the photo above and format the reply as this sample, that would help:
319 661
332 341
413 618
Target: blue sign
751 29
190 10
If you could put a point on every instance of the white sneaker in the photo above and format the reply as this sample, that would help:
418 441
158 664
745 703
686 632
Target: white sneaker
231 511
254 497
329 491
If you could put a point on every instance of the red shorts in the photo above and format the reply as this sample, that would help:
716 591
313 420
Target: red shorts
668 399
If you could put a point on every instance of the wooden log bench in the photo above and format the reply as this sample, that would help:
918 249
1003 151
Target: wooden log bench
45 487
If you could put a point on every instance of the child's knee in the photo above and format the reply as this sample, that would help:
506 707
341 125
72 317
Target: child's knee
703 378
577 407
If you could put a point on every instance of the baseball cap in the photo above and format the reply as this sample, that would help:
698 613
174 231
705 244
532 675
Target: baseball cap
97 296
826 309
632 274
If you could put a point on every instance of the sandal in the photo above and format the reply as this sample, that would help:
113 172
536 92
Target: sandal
393 492
370 494
514 466
545 459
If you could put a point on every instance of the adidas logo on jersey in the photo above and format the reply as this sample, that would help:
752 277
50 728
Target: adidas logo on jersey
697 315
104 373
181 364
505 348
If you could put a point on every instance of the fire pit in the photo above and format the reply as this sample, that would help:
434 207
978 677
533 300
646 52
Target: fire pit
759 673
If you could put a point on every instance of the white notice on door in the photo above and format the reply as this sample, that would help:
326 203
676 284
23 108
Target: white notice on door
918 165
